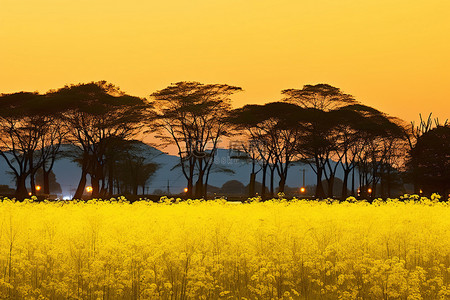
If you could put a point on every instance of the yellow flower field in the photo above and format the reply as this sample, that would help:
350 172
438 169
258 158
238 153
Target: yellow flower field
216 250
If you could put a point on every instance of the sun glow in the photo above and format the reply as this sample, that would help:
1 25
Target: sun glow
392 55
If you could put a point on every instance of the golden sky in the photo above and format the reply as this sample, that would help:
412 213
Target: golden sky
390 54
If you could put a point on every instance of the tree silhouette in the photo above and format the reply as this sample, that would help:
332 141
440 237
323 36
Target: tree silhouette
95 114
412 134
275 129
126 166
25 128
53 186
323 97
323 128
191 115
430 160
133 172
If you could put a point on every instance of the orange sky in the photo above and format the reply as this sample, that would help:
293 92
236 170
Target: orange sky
390 54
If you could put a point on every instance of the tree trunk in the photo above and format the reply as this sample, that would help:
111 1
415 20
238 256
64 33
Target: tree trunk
199 189
46 175
344 193
81 185
190 187
32 184
263 183
190 178
95 183
353 182
32 181
319 187
330 190
103 190
21 189
389 183
272 171
281 184
251 187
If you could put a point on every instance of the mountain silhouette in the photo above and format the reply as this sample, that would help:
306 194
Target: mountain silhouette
169 176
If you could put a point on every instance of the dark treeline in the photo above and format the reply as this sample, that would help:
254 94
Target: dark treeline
318 125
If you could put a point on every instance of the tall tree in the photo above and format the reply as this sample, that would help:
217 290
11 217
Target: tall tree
275 129
191 115
96 114
355 129
23 137
323 97
382 138
322 137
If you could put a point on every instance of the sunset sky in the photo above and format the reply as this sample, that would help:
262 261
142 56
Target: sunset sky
390 54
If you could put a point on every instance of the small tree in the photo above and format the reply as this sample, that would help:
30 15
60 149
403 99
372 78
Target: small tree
430 161
412 135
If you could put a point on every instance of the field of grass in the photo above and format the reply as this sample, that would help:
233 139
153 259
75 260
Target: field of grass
277 249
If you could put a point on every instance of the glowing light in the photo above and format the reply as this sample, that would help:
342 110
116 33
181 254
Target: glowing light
89 189
29 194
302 189
185 190
369 190
420 191
38 188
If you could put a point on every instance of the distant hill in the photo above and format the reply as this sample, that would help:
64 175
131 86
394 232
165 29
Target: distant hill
226 168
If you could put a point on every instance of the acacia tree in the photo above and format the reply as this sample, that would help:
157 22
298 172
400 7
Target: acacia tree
323 97
50 142
23 137
191 115
347 138
321 139
275 129
382 139
95 114
256 149
353 129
